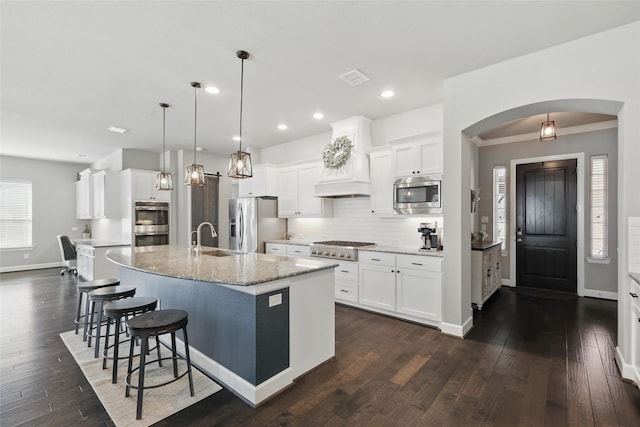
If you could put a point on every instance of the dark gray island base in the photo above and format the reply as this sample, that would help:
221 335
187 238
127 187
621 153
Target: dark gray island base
255 339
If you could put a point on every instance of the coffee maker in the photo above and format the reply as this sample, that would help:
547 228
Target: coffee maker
429 236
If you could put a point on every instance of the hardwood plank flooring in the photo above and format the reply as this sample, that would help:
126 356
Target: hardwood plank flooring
527 362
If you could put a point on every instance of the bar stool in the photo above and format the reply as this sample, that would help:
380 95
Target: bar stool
85 288
116 310
100 296
152 324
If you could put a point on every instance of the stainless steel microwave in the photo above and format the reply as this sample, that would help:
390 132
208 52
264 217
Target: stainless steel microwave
417 195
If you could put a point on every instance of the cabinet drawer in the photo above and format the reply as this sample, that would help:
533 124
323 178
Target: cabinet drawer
420 263
298 251
347 271
346 292
377 258
276 248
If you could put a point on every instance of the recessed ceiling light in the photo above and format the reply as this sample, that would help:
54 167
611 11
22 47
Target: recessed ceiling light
200 149
387 94
236 138
212 89
318 116
282 126
117 129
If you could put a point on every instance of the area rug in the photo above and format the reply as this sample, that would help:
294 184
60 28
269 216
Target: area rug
158 403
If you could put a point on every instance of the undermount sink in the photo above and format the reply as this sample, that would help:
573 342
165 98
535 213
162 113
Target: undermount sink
217 253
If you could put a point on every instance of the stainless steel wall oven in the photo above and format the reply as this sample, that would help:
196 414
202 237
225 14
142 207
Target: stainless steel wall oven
150 223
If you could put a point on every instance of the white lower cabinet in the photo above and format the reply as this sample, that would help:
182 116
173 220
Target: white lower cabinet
92 263
276 249
635 330
408 285
85 257
284 249
346 276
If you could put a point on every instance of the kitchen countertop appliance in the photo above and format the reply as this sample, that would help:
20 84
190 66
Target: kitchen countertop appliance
252 220
429 236
338 249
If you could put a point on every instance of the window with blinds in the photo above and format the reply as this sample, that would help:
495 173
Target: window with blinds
500 205
599 196
15 215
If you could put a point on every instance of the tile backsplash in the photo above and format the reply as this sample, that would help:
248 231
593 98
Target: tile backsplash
352 220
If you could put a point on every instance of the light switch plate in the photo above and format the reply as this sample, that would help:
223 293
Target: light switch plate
484 219
275 300
484 227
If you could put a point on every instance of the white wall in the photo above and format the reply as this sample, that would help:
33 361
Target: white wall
604 66
54 209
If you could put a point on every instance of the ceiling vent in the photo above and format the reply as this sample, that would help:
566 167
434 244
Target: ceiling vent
354 77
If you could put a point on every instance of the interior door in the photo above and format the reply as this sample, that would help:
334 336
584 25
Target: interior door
546 253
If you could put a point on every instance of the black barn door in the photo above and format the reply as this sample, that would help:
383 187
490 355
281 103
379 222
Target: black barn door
546 253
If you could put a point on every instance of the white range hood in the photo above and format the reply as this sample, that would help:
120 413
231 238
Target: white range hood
352 178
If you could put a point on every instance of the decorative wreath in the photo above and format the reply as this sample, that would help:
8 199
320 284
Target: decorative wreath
337 153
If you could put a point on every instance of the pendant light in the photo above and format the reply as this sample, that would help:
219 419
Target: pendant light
240 161
164 180
194 173
548 130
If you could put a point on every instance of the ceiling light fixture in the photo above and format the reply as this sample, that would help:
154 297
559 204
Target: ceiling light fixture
240 161
194 173
282 126
117 129
318 116
387 94
548 130
212 89
164 179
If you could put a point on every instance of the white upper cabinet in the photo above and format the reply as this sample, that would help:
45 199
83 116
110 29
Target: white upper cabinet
143 186
381 199
84 202
263 183
99 183
417 158
296 192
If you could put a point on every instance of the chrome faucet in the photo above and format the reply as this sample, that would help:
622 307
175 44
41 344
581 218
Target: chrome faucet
198 238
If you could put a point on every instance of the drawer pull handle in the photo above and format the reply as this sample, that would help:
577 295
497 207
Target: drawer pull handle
344 271
488 273
345 291
416 263
375 259
634 295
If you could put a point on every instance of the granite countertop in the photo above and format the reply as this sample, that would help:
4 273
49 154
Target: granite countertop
404 250
97 243
635 276
235 269
482 245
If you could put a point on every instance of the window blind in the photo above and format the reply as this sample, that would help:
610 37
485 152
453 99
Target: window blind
500 205
599 196
15 215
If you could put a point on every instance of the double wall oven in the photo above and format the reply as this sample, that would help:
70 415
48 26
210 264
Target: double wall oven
150 223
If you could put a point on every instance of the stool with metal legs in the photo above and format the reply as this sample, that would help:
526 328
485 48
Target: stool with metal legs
101 296
85 288
149 325
116 311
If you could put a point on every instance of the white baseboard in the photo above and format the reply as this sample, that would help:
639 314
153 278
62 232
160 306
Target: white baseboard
26 267
457 330
626 370
508 282
600 294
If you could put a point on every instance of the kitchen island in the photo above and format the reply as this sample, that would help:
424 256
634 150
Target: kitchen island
256 321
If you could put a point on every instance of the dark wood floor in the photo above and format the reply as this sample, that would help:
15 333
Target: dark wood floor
528 361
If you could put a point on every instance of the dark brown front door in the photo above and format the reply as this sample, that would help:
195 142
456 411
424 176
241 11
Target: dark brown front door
546 225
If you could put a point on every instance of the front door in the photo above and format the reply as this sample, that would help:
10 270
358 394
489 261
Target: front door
546 253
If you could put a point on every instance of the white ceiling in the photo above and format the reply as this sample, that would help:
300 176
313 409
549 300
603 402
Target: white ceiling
70 69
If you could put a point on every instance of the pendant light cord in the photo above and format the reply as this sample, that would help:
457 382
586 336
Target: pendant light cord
195 122
164 160
241 98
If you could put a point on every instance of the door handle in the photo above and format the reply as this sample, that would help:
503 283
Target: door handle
518 240
633 295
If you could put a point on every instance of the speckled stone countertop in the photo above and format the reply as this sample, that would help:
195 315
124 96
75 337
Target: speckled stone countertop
96 243
635 276
403 250
235 269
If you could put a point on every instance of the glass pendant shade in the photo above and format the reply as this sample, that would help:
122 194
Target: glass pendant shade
240 165
194 175
548 130
164 179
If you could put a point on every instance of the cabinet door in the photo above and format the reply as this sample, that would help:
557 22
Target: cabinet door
249 186
403 160
276 249
635 338
98 185
288 192
496 258
298 251
377 286
487 273
381 199
308 176
429 158
419 294
83 195
141 186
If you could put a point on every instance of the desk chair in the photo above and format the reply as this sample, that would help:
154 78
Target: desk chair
68 254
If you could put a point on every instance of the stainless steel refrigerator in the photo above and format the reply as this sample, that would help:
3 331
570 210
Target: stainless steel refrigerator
252 220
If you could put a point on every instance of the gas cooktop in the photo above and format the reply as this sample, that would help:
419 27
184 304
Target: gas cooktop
338 249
